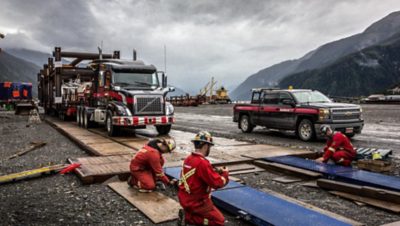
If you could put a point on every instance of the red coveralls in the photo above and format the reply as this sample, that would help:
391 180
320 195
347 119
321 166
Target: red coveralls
339 149
197 179
146 168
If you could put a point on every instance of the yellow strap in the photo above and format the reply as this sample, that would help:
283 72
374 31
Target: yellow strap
160 174
184 177
205 222
331 149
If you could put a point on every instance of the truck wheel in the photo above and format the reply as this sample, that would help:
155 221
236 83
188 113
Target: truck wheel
350 135
86 120
305 130
245 124
163 129
111 129
78 116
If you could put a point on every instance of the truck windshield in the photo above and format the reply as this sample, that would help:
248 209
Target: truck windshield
311 97
135 79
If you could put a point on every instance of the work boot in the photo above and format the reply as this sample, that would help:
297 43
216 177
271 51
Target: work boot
181 218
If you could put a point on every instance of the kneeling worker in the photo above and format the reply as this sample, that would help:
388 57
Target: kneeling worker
197 179
146 165
338 147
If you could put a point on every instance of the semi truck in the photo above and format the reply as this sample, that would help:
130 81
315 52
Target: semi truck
97 89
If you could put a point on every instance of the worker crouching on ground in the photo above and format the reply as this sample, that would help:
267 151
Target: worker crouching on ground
197 179
338 147
146 165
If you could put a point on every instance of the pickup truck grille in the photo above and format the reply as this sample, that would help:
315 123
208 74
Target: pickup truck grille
148 105
345 114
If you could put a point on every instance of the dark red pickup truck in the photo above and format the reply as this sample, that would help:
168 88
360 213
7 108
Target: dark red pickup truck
301 110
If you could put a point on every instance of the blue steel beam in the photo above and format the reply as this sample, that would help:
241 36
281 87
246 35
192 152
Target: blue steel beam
261 208
341 173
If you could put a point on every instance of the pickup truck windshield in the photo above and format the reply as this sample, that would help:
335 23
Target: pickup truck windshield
311 97
135 79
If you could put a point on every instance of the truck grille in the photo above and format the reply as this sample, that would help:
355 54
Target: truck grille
346 114
148 105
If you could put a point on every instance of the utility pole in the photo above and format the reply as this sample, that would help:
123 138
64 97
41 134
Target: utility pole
165 59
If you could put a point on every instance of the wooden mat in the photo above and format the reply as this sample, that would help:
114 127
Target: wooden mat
156 206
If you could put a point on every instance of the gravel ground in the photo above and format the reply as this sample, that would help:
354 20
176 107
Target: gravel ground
57 199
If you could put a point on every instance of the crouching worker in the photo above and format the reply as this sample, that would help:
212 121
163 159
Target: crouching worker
197 179
146 165
338 147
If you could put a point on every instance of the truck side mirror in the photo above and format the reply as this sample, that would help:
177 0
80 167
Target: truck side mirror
164 80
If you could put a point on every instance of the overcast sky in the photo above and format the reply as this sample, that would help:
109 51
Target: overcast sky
228 39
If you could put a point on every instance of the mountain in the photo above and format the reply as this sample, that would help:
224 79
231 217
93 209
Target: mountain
15 69
371 70
320 57
35 57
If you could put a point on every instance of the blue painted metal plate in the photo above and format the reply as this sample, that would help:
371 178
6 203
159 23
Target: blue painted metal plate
366 178
266 209
175 172
342 173
310 164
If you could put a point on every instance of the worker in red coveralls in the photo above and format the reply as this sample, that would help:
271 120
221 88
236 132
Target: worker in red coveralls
146 165
197 179
338 147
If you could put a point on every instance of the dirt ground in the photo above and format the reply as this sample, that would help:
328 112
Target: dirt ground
57 199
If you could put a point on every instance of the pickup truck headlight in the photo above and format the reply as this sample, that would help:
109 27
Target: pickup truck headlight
124 111
324 114
169 108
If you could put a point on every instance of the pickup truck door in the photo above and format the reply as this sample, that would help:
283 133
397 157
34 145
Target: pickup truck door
268 105
284 116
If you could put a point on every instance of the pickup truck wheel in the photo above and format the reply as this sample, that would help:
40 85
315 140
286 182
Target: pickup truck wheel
163 129
111 129
350 135
305 130
245 124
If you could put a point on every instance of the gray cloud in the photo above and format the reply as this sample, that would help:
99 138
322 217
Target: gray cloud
227 39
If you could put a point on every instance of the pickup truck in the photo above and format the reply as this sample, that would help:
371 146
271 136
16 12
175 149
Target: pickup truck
299 110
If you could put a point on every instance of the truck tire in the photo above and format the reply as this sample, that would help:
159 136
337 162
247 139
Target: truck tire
78 116
305 130
163 129
86 120
245 124
111 129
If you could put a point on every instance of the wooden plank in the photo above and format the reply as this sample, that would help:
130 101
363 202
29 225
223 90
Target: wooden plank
371 192
256 170
287 169
156 206
309 206
286 180
240 167
111 149
394 207
311 184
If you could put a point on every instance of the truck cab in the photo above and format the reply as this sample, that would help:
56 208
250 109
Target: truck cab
127 94
299 110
